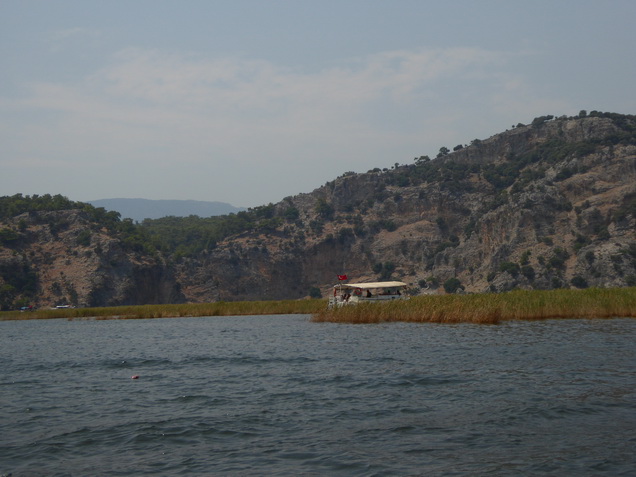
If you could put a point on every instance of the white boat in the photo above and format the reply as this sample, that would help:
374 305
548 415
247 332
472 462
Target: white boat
372 292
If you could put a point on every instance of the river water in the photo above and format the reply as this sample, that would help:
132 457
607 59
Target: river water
279 395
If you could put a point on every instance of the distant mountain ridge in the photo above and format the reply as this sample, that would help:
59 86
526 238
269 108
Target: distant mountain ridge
140 209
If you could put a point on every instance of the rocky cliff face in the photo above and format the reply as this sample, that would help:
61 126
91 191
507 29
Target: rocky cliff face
543 206
548 205
63 259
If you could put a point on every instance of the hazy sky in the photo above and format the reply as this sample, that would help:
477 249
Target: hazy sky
248 102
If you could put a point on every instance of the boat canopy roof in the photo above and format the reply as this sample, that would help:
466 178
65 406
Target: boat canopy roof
371 285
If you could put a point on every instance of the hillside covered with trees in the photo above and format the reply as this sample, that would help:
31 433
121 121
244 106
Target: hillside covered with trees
545 205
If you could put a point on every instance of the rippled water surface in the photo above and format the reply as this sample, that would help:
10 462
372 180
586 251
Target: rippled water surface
279 395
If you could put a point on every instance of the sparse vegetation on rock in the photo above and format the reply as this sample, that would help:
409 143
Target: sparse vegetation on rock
548 205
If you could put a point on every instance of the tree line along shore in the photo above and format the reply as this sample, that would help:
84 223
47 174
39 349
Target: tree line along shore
487 308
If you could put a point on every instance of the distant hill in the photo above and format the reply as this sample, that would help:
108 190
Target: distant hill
547 205
140 209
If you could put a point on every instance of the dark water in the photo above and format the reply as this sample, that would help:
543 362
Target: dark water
282 396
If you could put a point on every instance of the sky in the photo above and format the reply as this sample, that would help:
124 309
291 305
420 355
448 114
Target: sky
249 102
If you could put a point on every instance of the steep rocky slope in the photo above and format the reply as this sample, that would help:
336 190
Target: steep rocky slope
547 205
541 206
64 258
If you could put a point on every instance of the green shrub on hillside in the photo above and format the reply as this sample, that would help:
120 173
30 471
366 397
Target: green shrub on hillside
452 285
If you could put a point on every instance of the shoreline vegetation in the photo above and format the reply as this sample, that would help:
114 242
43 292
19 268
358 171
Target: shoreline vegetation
487 308
493 308
182 310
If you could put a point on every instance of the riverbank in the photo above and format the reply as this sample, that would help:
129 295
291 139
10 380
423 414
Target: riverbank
491 308
487 308
221 308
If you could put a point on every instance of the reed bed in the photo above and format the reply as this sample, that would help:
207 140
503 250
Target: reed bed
487 308
282 307
492 308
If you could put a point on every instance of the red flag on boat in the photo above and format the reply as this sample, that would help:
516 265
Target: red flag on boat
342 277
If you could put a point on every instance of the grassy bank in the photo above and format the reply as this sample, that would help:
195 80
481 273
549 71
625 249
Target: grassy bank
492 308
486 308
284 307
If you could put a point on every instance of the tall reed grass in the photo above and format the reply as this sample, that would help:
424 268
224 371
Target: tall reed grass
487 308
492 308
282 307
